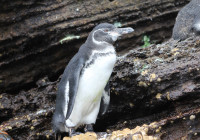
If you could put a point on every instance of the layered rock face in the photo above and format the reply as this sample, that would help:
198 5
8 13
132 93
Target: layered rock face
38 38
154 90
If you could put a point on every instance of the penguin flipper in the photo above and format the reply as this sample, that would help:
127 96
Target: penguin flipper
105 100
77 67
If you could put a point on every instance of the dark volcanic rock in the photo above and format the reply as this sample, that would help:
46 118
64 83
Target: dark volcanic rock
28 114
30 41
159 83
184 126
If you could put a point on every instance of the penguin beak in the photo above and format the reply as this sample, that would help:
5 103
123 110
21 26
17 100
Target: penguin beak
121 31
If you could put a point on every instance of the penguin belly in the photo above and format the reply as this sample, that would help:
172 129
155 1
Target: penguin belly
91 86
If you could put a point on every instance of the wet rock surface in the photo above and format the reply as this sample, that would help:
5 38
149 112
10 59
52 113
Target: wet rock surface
155 88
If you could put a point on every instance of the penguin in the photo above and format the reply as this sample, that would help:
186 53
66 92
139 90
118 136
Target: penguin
83 91
188 21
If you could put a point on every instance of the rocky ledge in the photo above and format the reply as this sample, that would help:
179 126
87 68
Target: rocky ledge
154 95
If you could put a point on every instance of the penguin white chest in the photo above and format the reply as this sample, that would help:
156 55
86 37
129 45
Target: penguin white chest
92 82
97 74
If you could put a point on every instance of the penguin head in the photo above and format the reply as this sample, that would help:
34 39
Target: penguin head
108 33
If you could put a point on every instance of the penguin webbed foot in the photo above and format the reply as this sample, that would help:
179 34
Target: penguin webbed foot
58 136
72 132
89 128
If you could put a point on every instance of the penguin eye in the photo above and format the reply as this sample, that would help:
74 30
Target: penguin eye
106 30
